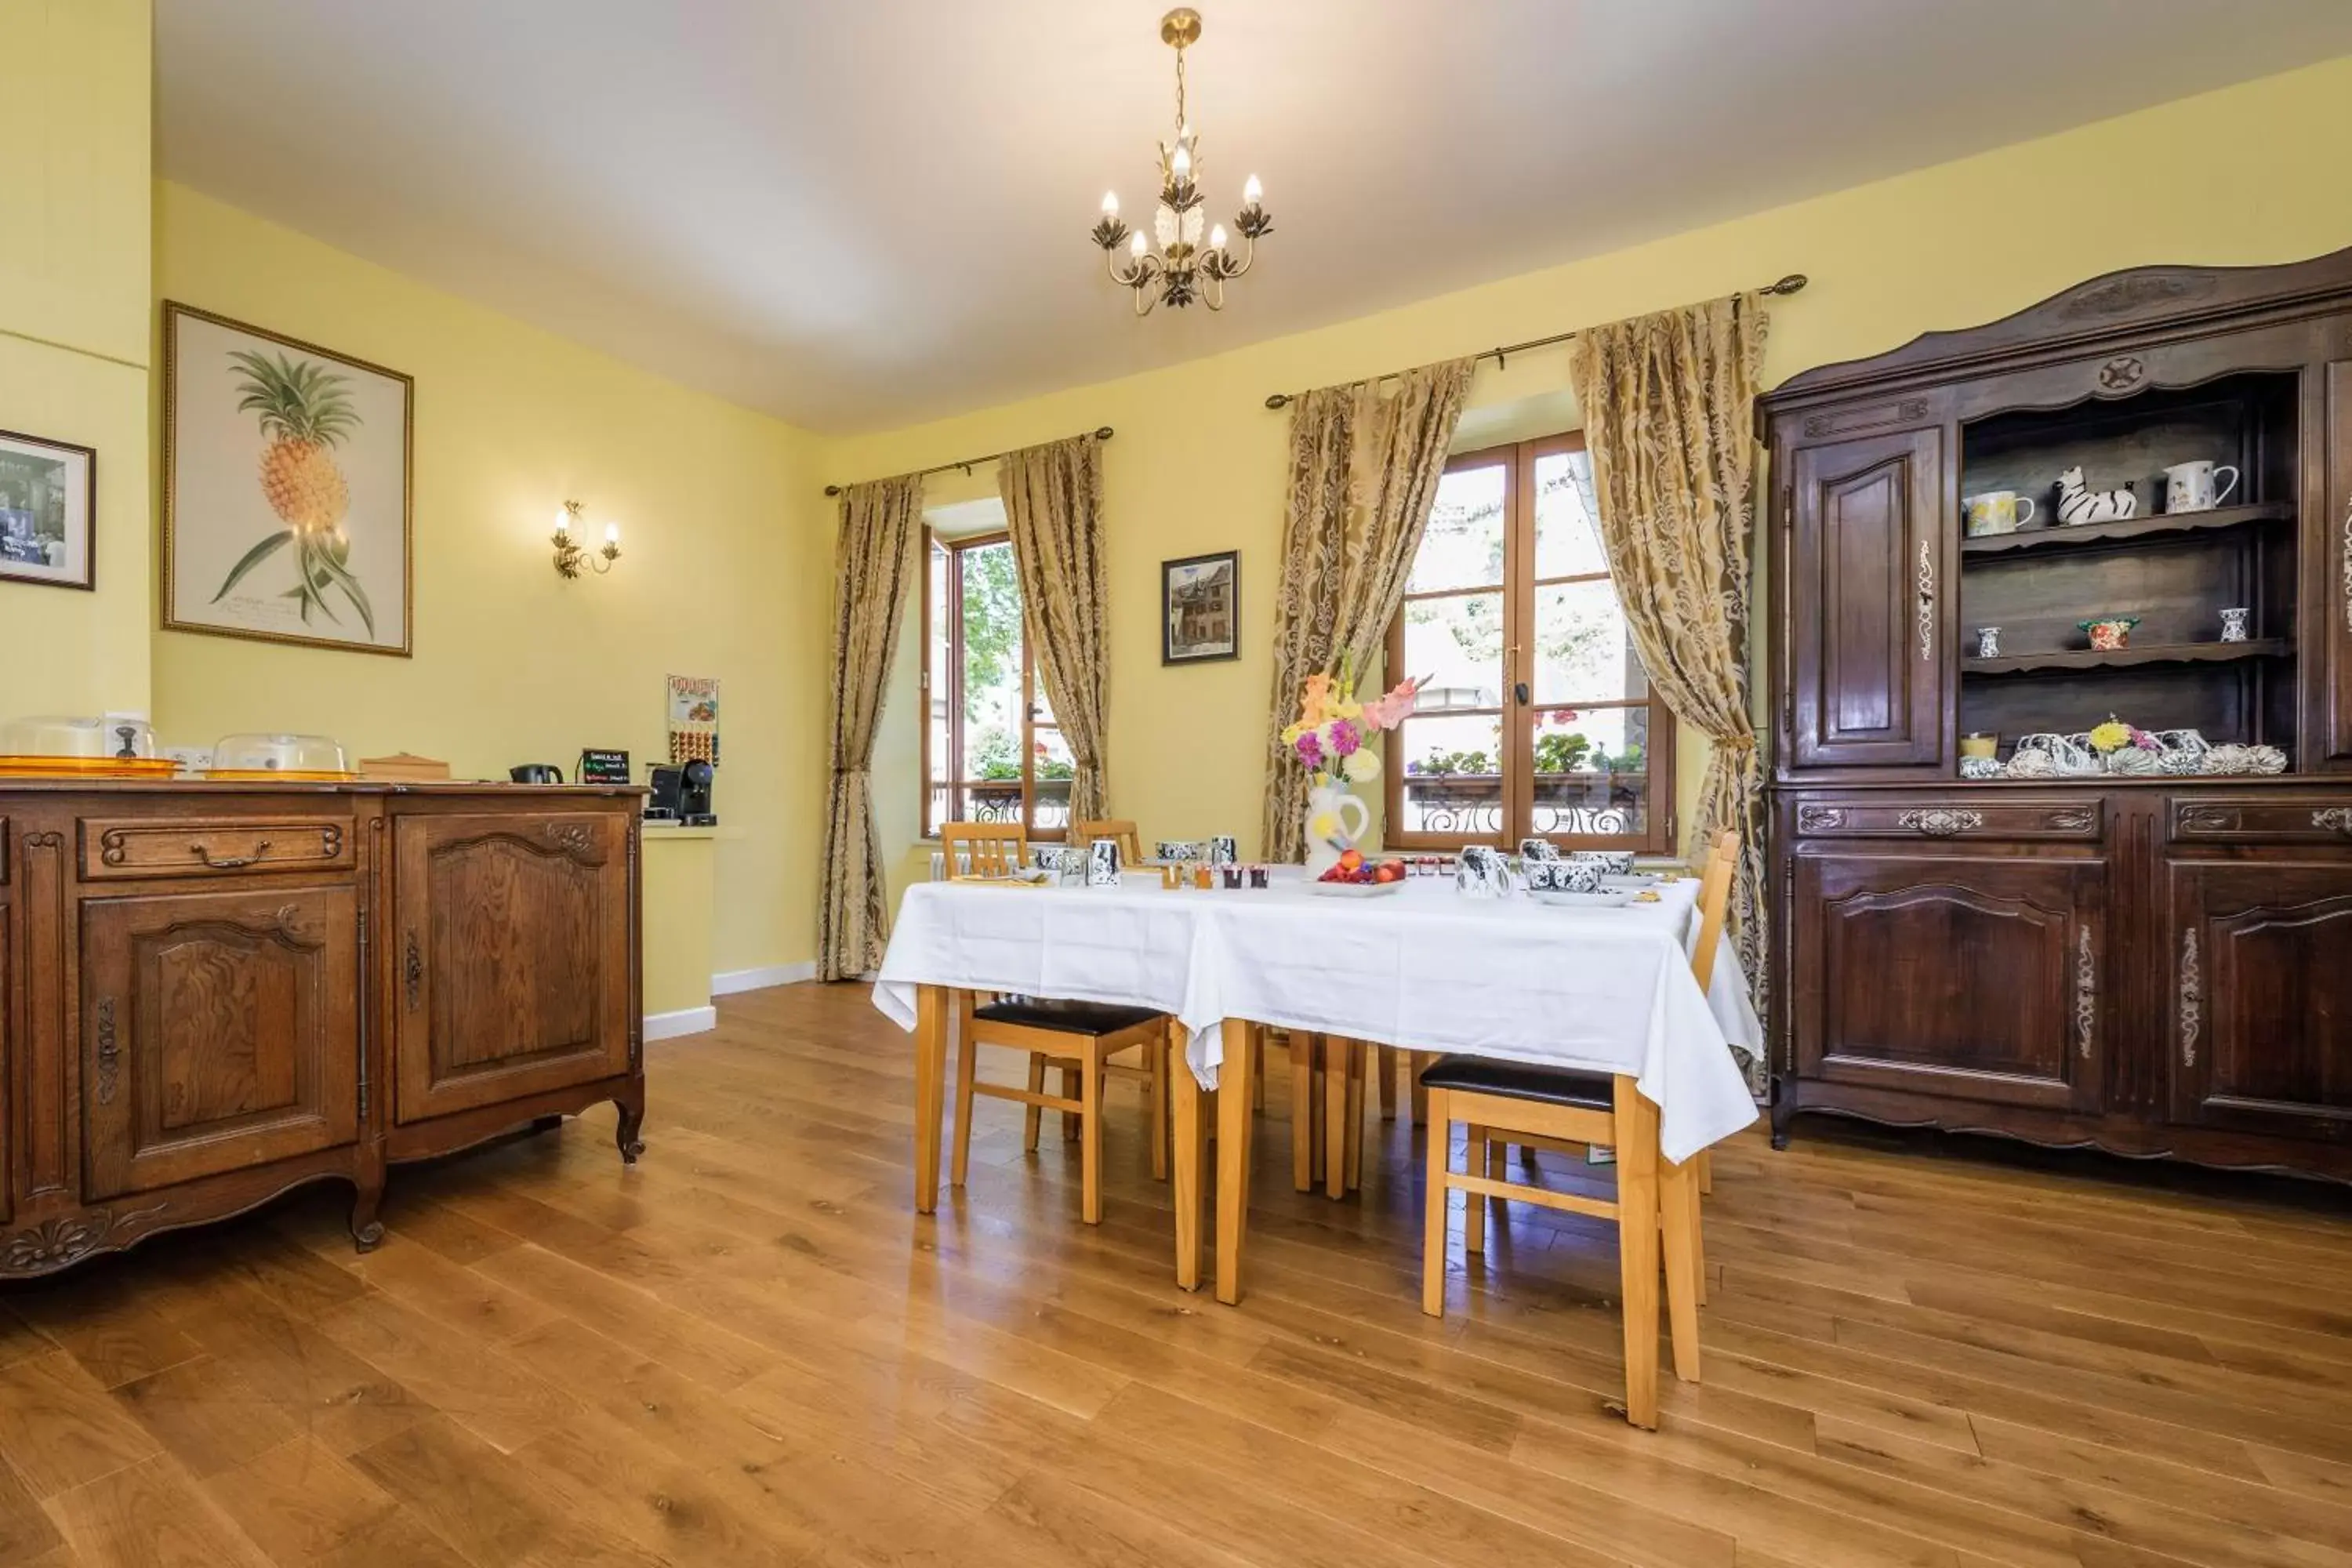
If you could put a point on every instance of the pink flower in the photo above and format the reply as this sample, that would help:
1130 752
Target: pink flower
1310 749
2145 742
1387 712
1345 737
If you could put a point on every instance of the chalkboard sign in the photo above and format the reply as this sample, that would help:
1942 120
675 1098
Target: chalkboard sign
602 767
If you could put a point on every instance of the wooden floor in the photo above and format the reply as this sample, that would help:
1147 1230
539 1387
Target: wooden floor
749 1351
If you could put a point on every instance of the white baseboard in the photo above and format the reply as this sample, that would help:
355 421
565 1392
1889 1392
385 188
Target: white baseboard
736 980
685 1021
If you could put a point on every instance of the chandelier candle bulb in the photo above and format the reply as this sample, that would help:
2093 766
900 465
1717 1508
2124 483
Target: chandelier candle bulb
1217 238
1110 204
1251 192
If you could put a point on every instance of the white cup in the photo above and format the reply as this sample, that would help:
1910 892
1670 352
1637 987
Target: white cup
2194 486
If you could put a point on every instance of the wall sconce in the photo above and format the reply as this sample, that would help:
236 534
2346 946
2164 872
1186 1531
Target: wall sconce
569 557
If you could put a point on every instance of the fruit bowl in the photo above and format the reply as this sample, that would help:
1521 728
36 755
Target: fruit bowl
1354 889
1356 877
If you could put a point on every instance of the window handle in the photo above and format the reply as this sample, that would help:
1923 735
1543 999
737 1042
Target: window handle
1519 690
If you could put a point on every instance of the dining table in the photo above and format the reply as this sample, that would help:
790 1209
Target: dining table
1421 966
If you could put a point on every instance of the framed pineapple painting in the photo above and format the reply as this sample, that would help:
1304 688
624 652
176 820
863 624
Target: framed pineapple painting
286 489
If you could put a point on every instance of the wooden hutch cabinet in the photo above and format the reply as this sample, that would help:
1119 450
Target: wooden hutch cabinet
211 994
2153 965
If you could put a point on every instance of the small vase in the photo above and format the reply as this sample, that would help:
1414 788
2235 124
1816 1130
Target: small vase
1332 814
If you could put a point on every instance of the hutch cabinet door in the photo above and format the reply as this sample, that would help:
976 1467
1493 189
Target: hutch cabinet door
1866 573
2260 997
7 1016
220 1031
2335 690
510 957
1970 979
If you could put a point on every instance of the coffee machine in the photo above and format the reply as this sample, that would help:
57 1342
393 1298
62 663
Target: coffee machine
682 795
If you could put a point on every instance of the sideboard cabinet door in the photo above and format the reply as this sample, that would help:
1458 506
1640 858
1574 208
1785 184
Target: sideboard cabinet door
510 957
1866 568
2260 996
1972 979
219 1031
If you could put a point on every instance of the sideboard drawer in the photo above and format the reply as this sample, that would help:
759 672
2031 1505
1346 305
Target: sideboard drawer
2075 820
2291 819
233 846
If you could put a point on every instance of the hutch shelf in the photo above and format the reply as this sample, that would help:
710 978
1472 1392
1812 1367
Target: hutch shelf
2153 966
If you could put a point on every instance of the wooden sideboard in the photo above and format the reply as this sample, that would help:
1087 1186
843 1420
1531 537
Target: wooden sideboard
211 994
2149 965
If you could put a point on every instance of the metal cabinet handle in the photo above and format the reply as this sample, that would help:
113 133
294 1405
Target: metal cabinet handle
109 1060
1940 822
2086 993
415 969
1926 600
2192 997
232 862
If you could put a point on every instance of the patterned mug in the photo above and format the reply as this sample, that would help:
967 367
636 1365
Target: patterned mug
1481 872
1538 849
1102 863
1611 862
1563 876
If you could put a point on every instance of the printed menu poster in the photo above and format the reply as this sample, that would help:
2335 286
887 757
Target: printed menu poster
693 718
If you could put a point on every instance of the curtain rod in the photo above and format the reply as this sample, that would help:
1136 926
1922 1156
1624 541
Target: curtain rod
1789 285
1101 433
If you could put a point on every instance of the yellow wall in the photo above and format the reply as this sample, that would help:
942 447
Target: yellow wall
681 906
74 300
2254 173
725 567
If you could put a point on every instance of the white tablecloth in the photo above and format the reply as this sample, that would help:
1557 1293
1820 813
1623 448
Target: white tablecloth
1604 990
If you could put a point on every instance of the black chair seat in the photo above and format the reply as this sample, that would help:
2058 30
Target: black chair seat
1517 1080
1066 1018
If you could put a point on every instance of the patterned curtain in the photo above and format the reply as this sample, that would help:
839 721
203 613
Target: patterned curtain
1053 504
873 562
1365 460
1669 407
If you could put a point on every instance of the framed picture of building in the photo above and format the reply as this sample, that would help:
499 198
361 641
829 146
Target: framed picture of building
46 500
1200 608
286 489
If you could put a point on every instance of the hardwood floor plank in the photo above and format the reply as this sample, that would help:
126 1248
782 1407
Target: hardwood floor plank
58 1429
205 1415
149 1515
298 1502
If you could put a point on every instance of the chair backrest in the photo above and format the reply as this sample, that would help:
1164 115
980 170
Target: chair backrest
1714 902
1130 841
987 848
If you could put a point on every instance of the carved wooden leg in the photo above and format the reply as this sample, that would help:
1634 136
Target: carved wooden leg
631 1104
367 1230
1784 1112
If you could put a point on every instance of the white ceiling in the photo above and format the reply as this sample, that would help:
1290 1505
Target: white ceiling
859 213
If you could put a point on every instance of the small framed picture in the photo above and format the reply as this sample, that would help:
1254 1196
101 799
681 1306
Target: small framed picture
48 491
1200 608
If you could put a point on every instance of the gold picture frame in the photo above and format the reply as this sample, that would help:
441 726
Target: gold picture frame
278 466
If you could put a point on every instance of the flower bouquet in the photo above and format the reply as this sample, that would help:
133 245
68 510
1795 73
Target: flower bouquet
1330 738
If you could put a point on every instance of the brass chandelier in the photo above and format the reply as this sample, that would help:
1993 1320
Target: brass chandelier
1182 269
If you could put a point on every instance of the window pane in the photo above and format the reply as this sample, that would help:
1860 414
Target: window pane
1453 782
1050 757
1568 538
1591 772
943 804
1582 650
1457 644
992 680
1463 547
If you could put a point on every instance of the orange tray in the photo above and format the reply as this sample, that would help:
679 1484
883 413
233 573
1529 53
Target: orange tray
87 767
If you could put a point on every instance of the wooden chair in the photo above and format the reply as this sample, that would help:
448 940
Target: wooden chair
1082 1034
1544 1107
988 850
1130 841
